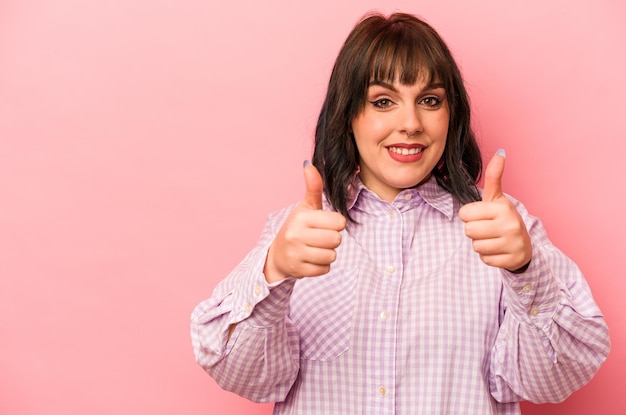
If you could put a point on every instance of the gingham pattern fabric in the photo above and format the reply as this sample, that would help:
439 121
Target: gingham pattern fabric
408 321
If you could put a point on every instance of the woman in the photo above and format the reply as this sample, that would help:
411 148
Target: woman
396 286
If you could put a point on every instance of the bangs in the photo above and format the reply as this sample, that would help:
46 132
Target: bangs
405 56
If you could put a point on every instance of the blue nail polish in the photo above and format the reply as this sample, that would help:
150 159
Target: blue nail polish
501 152
306 163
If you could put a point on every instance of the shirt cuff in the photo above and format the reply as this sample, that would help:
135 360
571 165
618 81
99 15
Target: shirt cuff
259 303
533 295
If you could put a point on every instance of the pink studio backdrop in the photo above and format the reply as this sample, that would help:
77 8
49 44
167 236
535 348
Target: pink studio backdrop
144 142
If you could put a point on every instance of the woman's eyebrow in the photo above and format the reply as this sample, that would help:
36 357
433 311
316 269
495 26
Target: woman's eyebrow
384 85
434 85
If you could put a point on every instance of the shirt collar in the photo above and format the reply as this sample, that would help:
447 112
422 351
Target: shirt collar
433 194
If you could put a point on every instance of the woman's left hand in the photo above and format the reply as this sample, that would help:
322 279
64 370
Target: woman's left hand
498 232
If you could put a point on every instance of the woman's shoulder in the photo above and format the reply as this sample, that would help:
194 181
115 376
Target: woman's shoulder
277 217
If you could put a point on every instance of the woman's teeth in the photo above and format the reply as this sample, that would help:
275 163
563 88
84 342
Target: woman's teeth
405 151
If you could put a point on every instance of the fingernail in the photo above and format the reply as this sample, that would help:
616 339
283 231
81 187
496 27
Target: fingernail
306 163
501 152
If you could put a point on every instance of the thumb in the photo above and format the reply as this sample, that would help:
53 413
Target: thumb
314 186
493 177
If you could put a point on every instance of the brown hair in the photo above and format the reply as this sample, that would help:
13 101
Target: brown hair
399 48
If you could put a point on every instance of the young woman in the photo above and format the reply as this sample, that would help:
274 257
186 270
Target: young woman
397 286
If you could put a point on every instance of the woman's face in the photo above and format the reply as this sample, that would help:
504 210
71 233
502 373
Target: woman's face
400 135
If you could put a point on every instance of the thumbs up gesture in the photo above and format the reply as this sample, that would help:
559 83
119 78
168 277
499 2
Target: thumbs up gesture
305 244
497 231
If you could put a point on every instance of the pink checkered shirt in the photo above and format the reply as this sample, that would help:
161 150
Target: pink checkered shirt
408 321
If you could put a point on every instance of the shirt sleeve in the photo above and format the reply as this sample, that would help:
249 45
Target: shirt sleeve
260 360
553 337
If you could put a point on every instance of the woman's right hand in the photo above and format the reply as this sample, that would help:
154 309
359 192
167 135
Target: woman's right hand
305 244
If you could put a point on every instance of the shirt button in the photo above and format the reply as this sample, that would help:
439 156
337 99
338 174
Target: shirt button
408 196
534 310
392 215
382 390
257 291
383 315
247 308
390 269
526 288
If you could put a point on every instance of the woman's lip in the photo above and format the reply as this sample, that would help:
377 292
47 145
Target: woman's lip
403 145
406 158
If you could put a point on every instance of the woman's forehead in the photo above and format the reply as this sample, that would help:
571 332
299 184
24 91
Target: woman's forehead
405 76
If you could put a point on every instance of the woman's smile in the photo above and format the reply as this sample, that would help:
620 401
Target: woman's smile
404 153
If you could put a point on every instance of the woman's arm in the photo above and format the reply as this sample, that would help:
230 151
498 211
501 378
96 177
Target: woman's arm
242 335
553 337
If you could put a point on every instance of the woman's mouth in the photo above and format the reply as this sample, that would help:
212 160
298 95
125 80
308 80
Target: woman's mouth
406 154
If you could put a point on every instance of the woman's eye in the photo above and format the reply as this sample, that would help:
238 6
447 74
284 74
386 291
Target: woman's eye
382 103
432 102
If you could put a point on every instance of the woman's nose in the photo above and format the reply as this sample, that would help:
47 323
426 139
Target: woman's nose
411 123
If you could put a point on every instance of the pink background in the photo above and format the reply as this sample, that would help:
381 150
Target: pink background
144 142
